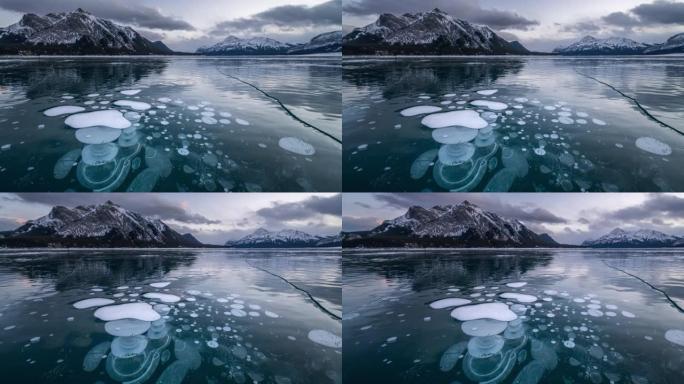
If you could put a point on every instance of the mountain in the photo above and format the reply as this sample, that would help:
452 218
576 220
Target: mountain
434 32
590 45
287 238
674 44
74 33
642 238
235 46
324 43
98 226
463 225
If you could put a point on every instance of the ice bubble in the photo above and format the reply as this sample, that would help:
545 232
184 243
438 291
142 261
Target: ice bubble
325 338
522 298
144 181
63 110
98 154
487 92
491 105
140 311
162 284
532 373
675 336
565 120
296 145
212 344
107 118
131 92
97 135
238 312
65 163
422 163
185 352
654 146
164 297
419 110
598 122
183 151
242 122
544 353
628 314
95 355
454 135
468 119
521 99
519 284
272 315
209 120
94 302
174 373
136 105
455 154
595 313
450 302
483 327
485 346
126 327
494 311
451 356
128 346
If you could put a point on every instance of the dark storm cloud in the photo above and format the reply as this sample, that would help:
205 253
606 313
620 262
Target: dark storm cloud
302 210
661 12
582 27
469 10
146 204
535 215
621 19
286 16
125 12
657 206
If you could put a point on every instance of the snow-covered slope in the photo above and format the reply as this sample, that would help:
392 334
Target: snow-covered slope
77 32
434 32
233 45
590 45
674 44
619 238
323 43
286 238
462 225
105 225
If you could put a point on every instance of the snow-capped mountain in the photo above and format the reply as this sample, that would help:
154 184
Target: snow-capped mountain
590 45
674 44
642 238
105 225
324 43
74 33
233 45
434 32
286 238
462 225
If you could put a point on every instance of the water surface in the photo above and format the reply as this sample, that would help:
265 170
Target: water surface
561 129
234 323
590 322
213 124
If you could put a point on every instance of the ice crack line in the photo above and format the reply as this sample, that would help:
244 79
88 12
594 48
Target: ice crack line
679 308
634 100
316 302
286 109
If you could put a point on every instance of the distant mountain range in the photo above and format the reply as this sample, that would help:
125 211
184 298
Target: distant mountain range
329 42
590 45
642 238
434 32
287 238
74 33
463 225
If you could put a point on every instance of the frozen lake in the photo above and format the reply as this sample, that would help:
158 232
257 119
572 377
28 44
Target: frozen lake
513 124
173 124
568 316
199 316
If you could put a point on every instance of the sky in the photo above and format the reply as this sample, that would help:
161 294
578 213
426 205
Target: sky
542 25
568 218
185 25
213 218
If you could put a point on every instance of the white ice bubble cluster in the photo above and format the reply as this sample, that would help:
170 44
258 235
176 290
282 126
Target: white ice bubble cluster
325 338
494 311
106 118
138 311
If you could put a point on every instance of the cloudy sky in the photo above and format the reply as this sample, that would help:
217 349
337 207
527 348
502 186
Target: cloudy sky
185 25
542 25
213 217
568 218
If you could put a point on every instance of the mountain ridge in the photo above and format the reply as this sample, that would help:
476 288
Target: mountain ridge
328 42
286 238
640 238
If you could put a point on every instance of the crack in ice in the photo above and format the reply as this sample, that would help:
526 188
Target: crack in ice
287 110
680 309
316 302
